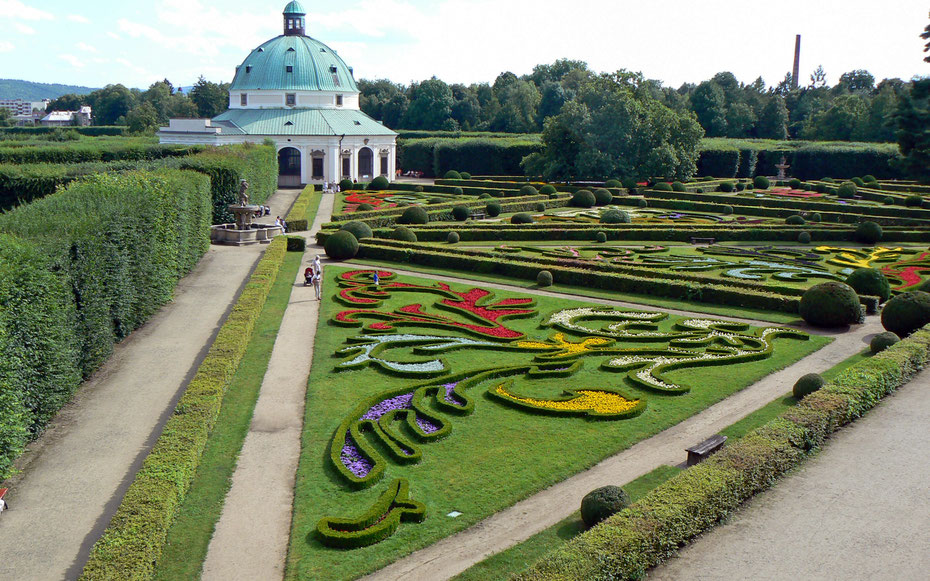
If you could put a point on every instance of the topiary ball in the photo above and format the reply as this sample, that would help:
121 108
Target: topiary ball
643 203
346 184
816 217
913 201
548 190
364 208
740 187
858 181
418 188
761 183
528 191
869 281
460 213
906 313
465 175
452 175
544 278
493 209
888 200
457 191
804 237
521 218
602 197
601 237
485 196
678 187
358 229
868 233
846 190
869 178
807 384
437 201
726 187
829 180
662 187
794 183
795 220
540 207
414 215
602 503
614 217
616 184
883 341
452 238
583 199
403 234
341 246
830 304
379 183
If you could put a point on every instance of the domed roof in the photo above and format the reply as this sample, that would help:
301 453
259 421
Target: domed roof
294 7
294 63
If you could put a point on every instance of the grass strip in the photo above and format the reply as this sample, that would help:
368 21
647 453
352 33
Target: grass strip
189 537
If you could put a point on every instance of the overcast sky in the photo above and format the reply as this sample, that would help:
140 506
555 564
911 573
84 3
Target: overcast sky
139 42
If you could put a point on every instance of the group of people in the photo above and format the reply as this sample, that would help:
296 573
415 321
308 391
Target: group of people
262 211
331 188
278 221
313 275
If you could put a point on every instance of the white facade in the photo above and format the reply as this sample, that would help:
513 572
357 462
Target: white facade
299 99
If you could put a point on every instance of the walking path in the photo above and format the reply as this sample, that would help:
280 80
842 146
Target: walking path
859 510
251 538
76 474
454 554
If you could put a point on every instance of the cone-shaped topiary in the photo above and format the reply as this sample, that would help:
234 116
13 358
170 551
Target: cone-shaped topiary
831 304
460 213
869 281
583 199
615 217
413 215
868 233
404 234
493 209
602 197
544 278
358 229
602 503
452 238
906 313
807 384
341 246
882 341
379 183
521 218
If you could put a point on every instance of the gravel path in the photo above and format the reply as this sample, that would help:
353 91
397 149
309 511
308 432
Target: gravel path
251 537
74 476
859 510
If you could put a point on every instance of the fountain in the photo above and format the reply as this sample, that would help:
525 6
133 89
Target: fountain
243 231
782 169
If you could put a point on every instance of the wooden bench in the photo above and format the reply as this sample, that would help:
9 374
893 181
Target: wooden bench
478 215
702 240
704 449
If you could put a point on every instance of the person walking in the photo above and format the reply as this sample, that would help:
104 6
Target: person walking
317 281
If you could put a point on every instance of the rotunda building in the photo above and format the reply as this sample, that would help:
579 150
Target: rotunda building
299 93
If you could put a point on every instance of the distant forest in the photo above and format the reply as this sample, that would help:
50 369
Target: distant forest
29 91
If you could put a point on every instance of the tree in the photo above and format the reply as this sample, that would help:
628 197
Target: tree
518 103
374 95
551 99
143 119
773 119
111 104
709 104
740 120
818 78
878 124
926 36
430 106
392 113
840 121
69 102
855 81
465 107
913 121
615 127
211 99
6 118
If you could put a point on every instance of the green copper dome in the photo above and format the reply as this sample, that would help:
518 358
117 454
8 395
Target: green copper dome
294 63
294 8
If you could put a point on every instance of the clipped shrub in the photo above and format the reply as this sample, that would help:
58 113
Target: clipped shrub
457 191
345 184
452 238
628 183
528 190
548 190
868 233
437 201
794 184
806 385
869 281
614 217
662 187
583 199
882 341
795 220
296 244
888 200
465 175
829 180
869 179
643 203
727 210
544 278
726 187
740 186
493 209
678 187
460 213
602 503
906 313
602 197
379 183
847 190
816 217
485 196
601 237
452 175
341 246
414 215
617 184
364 208
404 234
699 190
418 188
761 183
358 229
521 218
858 181
539 207
830 304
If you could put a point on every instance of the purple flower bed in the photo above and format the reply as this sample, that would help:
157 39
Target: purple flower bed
450 394
400 402
353 459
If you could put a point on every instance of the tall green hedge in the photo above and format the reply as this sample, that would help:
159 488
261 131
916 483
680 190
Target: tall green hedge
478 156
90 150
89 131
22 183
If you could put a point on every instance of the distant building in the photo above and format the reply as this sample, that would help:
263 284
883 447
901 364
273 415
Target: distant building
18 107
83 117
297 92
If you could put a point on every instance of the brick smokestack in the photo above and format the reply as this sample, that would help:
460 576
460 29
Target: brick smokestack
797 62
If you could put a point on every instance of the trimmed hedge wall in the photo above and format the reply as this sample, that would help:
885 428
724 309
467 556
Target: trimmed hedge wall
436 156
90 131
83 151
627 544
132 544
297 220
79 271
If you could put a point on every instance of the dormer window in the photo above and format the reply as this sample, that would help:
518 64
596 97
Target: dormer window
338 100
289 124
244 99
290 99
333 69
248 69
289 69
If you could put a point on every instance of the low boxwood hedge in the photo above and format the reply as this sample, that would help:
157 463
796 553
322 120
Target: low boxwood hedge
296 220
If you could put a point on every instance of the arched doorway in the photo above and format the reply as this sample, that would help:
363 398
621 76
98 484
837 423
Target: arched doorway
365 163
289 168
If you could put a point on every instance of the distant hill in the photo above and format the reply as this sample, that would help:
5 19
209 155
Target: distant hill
29 91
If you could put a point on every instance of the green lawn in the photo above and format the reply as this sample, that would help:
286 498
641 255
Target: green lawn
493 457
189 537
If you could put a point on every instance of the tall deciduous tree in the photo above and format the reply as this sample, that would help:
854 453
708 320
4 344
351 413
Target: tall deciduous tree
913 134
709 104
773 120
430 106
211 99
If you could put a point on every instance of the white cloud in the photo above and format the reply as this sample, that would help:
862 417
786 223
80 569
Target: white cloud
78 18
86 47
113 35
14 9
6 46
23 29
72 60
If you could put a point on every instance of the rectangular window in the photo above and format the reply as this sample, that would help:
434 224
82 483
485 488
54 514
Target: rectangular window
244 99
346 167
290 99
290 69
338 100
317 168
384 166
